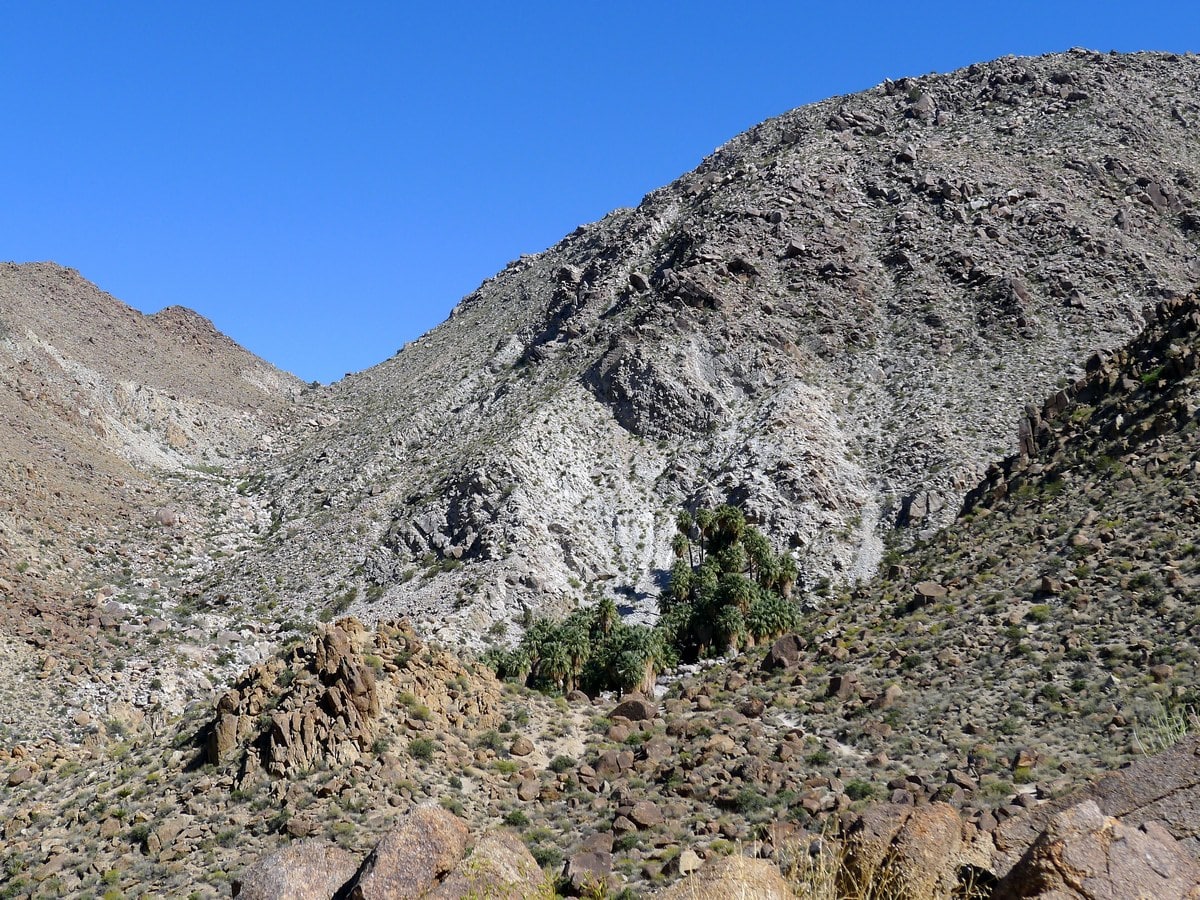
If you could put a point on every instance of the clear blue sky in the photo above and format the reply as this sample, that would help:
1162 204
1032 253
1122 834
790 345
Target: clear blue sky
324 181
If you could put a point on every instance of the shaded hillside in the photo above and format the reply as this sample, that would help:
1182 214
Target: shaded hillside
832 322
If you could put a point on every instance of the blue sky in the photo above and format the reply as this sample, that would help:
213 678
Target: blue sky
324 181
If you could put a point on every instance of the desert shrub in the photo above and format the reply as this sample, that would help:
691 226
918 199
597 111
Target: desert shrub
421 749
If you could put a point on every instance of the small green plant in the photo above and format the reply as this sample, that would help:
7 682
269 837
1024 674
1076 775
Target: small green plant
562 764
421 749
858 789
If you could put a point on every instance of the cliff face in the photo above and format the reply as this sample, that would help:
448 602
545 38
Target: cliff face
834 321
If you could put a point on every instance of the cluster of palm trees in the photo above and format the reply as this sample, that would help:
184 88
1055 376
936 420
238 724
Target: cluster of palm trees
592 650
728 589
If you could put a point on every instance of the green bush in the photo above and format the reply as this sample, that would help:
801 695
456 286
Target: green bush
421 749
562 764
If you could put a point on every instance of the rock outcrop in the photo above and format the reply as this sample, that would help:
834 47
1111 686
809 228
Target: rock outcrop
412 858
323 702
428 855
1086 855
731 876
1162 789
300 871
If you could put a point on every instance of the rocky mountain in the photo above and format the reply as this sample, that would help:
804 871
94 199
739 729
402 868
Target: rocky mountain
104 413
833 322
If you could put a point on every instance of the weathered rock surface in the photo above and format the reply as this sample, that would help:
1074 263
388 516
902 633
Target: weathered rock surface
304 870
1162 789
636 709
500 866
730 876
413 857
915 851
324 702
1087 855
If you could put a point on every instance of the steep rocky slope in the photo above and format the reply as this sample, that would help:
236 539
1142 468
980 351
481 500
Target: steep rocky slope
847 321
831 322
112 425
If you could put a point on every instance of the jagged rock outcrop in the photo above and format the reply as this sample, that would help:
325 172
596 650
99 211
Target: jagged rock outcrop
324 701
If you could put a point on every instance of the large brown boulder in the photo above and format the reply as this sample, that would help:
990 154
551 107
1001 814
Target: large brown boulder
1086 855
731 876
635 709
499 868
303 870
784 653
412 857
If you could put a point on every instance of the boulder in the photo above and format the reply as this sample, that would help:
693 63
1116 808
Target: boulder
731 876
223 737
1086 855
842 686
522 746
303 870
645 814
784 653
687 862
928 591
410 859
500 867
635 709
589 870
915 851
888 698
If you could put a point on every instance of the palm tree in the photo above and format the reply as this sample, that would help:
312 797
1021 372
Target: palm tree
785 578
730 628
554 667
577 644
704 523
517 664
606 617
736 590
729 524
679 586
758 551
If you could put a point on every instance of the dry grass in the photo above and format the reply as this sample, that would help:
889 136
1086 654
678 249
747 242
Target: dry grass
1165 728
